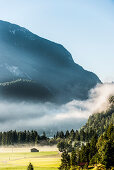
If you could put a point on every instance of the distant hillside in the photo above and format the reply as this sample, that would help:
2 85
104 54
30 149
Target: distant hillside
24 55
25 89
99 122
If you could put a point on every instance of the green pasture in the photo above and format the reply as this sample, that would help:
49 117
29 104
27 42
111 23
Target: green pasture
20 161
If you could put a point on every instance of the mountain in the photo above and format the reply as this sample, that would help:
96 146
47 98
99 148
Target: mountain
47 65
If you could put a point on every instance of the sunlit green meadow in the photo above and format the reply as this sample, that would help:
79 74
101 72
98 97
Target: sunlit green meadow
44 160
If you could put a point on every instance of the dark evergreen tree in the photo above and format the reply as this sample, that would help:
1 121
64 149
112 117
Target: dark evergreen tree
73 158
61 146
67 134
105 146
77 136
61 134
72 135
108 154
65 161
30 167
93 147
82 135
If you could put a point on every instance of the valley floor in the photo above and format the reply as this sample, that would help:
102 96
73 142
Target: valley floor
19 158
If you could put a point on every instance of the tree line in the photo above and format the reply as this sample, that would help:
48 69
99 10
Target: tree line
26 137
72 135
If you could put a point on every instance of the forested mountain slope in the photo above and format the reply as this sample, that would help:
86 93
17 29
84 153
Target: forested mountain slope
24 55
99 122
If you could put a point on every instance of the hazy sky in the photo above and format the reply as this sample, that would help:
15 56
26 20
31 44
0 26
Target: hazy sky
84 27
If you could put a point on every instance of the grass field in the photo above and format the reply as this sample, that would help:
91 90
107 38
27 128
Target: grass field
43 160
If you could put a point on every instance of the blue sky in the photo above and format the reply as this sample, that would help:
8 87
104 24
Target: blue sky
84 27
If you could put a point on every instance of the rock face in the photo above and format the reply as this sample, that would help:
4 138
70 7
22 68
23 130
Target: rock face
46 65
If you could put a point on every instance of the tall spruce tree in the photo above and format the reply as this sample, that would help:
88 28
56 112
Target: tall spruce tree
73 158
65 161
30 167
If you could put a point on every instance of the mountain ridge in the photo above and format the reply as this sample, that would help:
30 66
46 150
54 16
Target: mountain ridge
27 56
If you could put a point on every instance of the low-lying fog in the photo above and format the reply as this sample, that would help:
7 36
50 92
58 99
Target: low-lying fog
48 116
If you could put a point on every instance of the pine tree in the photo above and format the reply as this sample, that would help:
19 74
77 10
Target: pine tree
61 145
108 154
72 135
110 132
73 158
77 136
65 161
82 135
30 167
93 147
67 134
61 134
